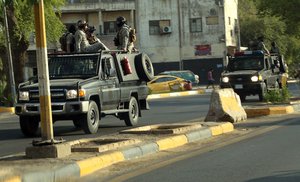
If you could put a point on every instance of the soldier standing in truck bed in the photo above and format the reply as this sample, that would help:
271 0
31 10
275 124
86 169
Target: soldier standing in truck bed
123 40
261 45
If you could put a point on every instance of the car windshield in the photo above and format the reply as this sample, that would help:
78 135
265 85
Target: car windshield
79 66
237 64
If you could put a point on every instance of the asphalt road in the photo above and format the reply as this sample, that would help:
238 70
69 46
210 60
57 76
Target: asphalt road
273 156
260 150
168 110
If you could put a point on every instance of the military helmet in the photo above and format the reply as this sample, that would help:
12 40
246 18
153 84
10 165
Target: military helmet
81 23
120 21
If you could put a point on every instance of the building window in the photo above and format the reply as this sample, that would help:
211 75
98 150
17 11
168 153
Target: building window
154 28
110 27
231 33
229 21
196 24
157 27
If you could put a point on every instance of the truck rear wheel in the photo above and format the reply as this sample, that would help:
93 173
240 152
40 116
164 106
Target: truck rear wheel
131 118
90 120
144 67
29 125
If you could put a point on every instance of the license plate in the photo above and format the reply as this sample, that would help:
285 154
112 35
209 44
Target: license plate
238 86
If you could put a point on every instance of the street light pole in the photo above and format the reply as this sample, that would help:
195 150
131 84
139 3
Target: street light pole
9 56
43 74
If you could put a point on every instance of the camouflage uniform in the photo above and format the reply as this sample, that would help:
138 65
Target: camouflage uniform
83 45
123 39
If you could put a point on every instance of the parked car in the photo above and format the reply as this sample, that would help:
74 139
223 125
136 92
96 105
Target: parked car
184 74
168 83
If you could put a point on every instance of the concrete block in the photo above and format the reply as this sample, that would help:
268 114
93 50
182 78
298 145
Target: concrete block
49 151
225 105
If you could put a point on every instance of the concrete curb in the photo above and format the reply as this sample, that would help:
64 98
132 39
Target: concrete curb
7 110
264 111
178 94
87 166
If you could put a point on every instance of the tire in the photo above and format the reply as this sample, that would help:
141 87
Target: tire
263 91
29 126
243 98
90 121
144 67
77 123
131 118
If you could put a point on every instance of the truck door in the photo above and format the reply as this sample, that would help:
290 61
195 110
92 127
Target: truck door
110 90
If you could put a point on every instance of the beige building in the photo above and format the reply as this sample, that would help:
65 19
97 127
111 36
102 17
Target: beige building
176 34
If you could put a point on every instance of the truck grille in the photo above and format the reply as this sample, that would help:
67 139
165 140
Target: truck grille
56 95
240 78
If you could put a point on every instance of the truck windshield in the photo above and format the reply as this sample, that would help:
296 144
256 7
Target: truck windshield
73 66
247 63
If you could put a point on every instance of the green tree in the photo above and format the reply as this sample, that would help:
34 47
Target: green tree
20 18
288 11
253 24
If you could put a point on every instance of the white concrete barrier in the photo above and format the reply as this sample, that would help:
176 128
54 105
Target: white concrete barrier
225 105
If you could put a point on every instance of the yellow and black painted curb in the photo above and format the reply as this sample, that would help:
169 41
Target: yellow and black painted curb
87 166
265 111
7 110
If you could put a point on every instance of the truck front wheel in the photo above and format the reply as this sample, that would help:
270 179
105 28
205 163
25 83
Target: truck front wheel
263 91
131 118
90 120
29 125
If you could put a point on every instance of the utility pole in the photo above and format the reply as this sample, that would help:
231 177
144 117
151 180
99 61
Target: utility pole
43 73
9 57
180 35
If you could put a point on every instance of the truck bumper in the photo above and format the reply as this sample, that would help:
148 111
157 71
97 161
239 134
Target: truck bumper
244 89
62 108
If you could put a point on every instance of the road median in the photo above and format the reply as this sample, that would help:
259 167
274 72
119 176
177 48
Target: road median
80 164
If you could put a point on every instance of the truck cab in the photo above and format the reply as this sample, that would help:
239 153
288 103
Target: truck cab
254 73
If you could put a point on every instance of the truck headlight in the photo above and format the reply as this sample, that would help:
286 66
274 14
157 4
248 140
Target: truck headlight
73 94
225 79
24 95
254 78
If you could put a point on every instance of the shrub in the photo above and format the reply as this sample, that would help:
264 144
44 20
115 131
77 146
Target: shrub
278 96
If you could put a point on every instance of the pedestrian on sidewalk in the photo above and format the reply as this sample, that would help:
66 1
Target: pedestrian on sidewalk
210 79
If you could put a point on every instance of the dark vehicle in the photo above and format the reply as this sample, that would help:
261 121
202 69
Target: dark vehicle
185 74
86 87
254 73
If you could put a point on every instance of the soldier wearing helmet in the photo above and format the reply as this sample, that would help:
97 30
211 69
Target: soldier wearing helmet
81 42
122 38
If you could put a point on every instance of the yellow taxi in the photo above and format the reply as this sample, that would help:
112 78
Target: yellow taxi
168 83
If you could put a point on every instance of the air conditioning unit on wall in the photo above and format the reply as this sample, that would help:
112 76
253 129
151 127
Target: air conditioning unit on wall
166 29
